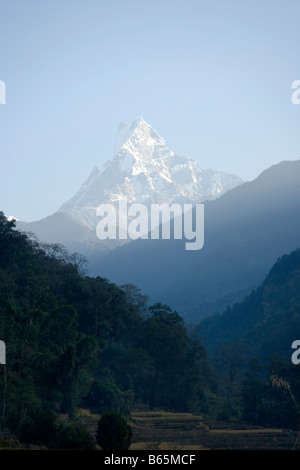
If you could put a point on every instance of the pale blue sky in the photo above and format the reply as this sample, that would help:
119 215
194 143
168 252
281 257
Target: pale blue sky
213 77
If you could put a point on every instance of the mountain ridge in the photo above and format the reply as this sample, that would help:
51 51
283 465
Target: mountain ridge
142 170
246 229
145 171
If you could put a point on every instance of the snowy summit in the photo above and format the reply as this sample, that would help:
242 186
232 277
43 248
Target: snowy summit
143 170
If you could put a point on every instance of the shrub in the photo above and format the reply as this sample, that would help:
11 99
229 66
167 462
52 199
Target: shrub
113 432
278 414
75 436
43 428
39 428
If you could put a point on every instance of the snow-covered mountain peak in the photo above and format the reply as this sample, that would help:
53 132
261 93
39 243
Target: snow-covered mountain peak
139 140
143 170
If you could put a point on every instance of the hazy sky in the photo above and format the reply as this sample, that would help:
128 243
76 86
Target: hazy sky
213 77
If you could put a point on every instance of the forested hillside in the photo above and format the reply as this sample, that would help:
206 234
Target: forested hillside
250 347
74 341
268 320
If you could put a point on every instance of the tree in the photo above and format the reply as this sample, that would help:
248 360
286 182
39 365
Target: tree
113 432
104 396
136 298
75 362
231 360
178 360
252 390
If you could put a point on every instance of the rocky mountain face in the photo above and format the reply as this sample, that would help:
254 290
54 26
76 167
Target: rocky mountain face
143 170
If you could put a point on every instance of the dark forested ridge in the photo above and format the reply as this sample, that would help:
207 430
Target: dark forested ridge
251 348
74 341
268 320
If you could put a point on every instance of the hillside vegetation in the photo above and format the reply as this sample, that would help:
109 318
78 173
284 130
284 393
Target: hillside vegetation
268 320
76 343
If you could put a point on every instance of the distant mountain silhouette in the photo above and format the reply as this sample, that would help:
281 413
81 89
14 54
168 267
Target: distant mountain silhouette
246 230
63 228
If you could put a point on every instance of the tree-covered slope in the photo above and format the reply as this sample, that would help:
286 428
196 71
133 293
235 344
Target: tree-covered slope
268 320
74 341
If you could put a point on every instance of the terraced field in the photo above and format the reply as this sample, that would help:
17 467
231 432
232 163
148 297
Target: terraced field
183 431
